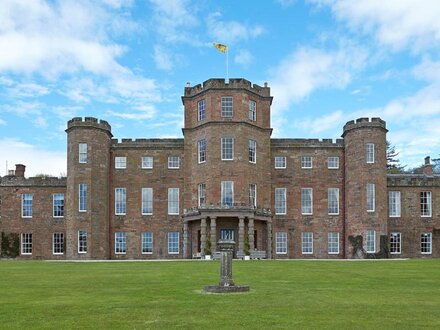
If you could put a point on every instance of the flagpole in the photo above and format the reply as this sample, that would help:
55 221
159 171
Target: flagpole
227 65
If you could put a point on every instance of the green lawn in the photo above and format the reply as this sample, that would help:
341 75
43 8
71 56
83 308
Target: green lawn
284 295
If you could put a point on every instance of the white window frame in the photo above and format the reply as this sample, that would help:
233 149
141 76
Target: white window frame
395 243
280 201
252 151
120 201
306 201
281 242
82 197
201 146
146 242
370 241
82 153
56 243
371 197
253 194
172 241
227 106
427 200
28 204
201 110
147 162
331 202
120 242
394 206
201 195
333 163
82 241
173 201
369 153
306 162
147 201
333 242
426 239
55 206
227 189
173 162
26 243
280 162
307 243
120 162
227 144
252 110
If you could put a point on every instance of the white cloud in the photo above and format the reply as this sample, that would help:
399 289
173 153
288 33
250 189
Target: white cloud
30 89
286 3
244 58
398 24
162 58
140 112
230 32
37 160
321 124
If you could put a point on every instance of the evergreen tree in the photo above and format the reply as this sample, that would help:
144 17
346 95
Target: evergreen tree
393 163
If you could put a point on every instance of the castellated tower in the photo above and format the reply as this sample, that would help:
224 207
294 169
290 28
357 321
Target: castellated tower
365 186
87 196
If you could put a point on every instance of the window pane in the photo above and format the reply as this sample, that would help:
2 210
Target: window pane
227 106
82 241
371 241
281 242
333 162
82 147
120 243
147 242
58 243
426 243
333 243
58 205
371 197
307 243
307 201
174 162
394 203
26 205
280 162
333 201
227 148
202 194
147 200
120 201
252 110
120 162
395 243
82 197
201 110
26 243
253 195
173 242
202 150
173 200
425 204
369 149
252 151
280 200
306 162
227 193
147 162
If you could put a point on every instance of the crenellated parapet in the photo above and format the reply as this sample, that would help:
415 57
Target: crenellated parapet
233 84
39 181
89 122
147 143
413 180
364 123
306 143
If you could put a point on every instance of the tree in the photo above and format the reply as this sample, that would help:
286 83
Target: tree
436 165
393 163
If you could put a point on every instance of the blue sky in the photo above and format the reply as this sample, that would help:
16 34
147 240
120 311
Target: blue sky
127 62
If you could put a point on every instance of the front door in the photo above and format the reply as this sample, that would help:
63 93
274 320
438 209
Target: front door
227 234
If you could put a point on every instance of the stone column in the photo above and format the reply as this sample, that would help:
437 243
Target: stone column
202 236
226 248
269 240
186 253
240 237
213 235
251 235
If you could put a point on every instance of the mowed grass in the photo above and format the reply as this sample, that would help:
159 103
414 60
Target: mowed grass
284 295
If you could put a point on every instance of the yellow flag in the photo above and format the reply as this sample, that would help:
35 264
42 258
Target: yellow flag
221 48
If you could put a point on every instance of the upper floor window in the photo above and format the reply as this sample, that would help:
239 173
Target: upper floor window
26 243
58 205
371 198
426 243
147 162
120 242
306 162
201 110
147 201
82 147
227 193
395 243
333 201
82 198
333 162
227 148
369 149
26 205
425 204
280 200
252 151
306 201
253 195
58 243
307 243
280 162
82 241
227 109
371 241
394 203
173 201
173 162
252 110
202 151
120 201
120 162
201 194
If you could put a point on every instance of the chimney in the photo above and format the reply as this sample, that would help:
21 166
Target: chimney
427 168
19 170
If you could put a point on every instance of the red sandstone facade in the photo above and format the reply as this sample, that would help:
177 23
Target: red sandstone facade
226 178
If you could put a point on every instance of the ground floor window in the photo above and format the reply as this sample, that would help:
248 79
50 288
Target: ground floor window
58 243
173 242
333 243
426 243
281 242
395 243
371 241
120 243
26 243
147 242
82 241
227 234
307 243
